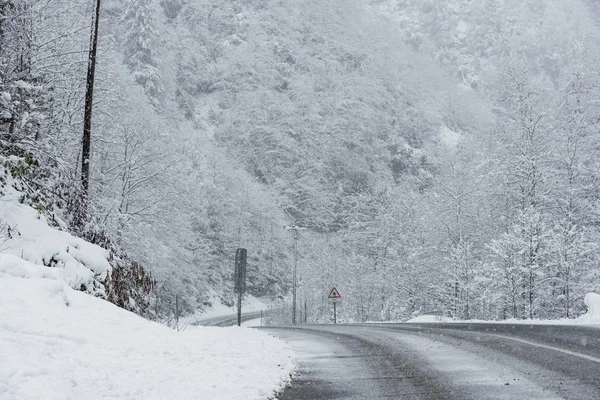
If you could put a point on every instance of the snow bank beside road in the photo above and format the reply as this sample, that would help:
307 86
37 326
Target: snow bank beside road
429 318
592 317
58 343
592 302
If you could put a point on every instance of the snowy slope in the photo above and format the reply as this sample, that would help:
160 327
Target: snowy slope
27 234
59 343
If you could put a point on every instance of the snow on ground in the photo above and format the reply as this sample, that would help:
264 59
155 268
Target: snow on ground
592 317
252 323
592 302
59 343
430 318
449 137
27 234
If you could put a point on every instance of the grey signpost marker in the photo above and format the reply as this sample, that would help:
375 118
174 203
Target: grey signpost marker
240 280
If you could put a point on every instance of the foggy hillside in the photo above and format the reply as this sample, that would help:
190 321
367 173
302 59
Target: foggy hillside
442 155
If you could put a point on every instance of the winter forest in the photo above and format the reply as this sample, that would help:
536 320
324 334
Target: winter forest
442 156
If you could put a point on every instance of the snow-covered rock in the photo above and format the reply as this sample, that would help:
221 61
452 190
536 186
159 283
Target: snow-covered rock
60 343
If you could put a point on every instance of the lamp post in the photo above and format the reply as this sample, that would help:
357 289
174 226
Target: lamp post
295 231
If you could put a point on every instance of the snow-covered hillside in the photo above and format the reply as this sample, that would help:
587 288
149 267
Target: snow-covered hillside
27 234
442 152
61 339
59 343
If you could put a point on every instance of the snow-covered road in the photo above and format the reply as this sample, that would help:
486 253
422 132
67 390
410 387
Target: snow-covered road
444 361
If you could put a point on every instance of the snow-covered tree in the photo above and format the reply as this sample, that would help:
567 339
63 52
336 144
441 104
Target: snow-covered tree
139 47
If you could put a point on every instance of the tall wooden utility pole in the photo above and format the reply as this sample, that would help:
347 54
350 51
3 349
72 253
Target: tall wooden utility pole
89 98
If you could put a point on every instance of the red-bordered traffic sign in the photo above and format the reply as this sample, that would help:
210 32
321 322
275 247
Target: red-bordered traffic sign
334 294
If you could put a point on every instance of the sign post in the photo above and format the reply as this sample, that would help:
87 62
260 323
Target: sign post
334 314
334 297
240 280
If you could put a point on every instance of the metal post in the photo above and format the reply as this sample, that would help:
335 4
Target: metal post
305 312
334 313
177 308
261 318
240 280
156 304
295 230
239 309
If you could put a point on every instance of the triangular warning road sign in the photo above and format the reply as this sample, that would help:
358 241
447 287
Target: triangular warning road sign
334 294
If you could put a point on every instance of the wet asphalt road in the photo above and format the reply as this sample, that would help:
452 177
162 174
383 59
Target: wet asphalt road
228 320
443 361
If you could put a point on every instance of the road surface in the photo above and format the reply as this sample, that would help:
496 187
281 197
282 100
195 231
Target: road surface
443 361
228 320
